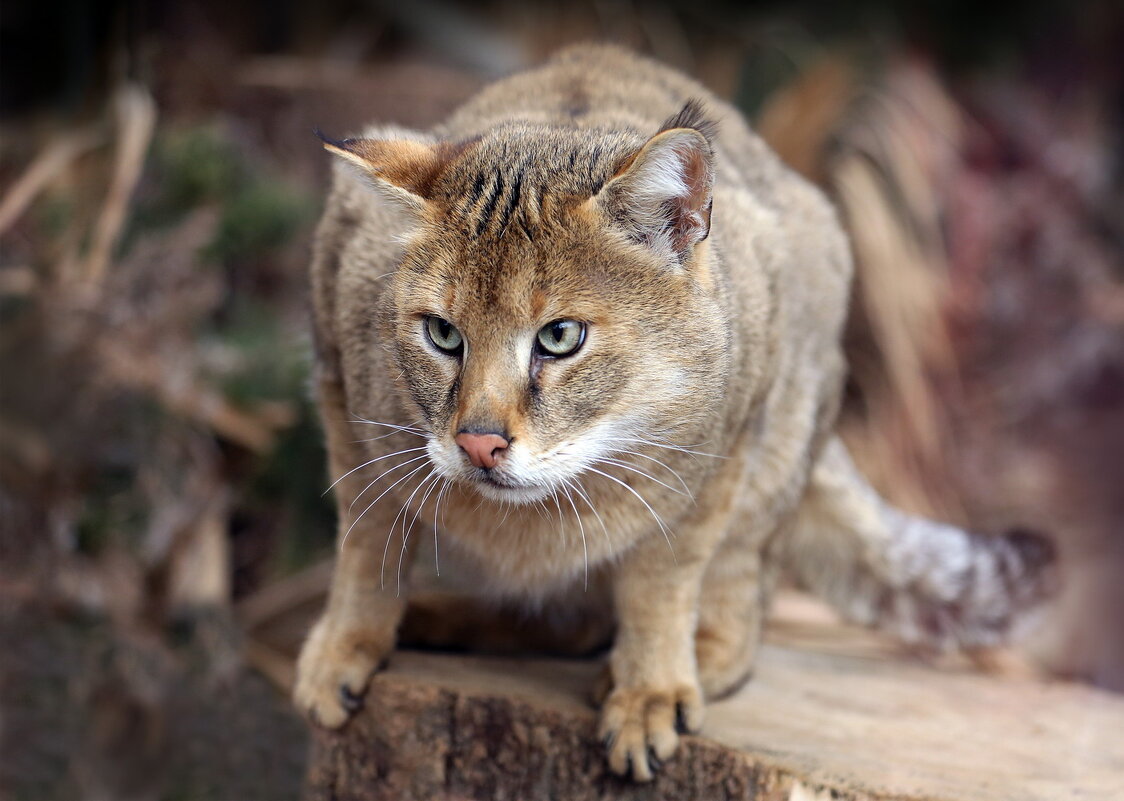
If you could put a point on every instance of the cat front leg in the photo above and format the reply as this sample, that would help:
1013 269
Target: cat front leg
358 628
351 641
655 691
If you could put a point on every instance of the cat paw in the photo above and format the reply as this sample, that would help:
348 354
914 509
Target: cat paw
640 726
333 671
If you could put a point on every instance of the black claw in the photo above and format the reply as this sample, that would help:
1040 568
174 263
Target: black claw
608 740
628 766
350 701
680 720
654 762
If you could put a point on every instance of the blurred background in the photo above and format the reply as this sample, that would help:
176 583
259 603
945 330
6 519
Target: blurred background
164 537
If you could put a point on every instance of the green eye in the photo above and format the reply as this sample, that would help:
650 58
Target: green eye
444 334
560 338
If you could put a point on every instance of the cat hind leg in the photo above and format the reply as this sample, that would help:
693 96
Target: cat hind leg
731 612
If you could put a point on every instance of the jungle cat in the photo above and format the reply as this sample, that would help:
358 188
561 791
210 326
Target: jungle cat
585 337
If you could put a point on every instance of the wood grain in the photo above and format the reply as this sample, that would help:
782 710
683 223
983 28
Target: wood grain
832 713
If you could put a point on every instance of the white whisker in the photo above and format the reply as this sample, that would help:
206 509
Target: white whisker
405 429
366 464
507 507
407 532
661 464
666 446
561 518
581 527
379 477
436 509
376 500
639 472
639 497
580 490
379 437
390 533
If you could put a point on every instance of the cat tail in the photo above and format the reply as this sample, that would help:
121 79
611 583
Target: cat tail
928 583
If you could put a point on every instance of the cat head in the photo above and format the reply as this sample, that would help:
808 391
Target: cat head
554 304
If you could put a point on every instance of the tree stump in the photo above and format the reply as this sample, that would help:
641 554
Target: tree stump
830 714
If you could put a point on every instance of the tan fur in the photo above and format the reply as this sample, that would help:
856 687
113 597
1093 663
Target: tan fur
673 463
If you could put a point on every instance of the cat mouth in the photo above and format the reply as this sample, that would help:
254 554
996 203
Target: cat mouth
500 488
488 478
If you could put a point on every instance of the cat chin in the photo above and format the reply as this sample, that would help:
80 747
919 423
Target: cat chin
515 495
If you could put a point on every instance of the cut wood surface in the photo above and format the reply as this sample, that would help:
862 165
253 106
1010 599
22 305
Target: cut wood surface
831 714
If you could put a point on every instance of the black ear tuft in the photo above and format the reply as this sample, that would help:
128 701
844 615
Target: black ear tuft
342 144
694 116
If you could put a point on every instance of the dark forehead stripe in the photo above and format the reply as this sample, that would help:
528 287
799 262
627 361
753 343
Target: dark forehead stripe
503 203
490 204
512 198
477 189
499 184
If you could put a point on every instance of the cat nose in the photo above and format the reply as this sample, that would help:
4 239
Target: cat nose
483 450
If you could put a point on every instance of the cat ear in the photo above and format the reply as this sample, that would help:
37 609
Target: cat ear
662 194
404 168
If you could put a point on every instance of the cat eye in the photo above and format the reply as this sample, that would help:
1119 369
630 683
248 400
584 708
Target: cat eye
560 338
444 334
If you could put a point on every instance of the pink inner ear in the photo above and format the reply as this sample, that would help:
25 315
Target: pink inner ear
691 212
662 193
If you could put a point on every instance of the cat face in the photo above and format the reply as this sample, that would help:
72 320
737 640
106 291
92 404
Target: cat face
548 312
474 335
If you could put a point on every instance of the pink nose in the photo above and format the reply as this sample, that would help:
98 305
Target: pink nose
483 449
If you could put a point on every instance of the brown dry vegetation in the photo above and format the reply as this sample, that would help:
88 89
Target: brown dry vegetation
161 517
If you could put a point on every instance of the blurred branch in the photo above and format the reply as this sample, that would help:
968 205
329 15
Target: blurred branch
271 663
297 72
51 161
17 281
136 122
799 119
185 396
882 150
284 595
26 446
449 30
200 571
